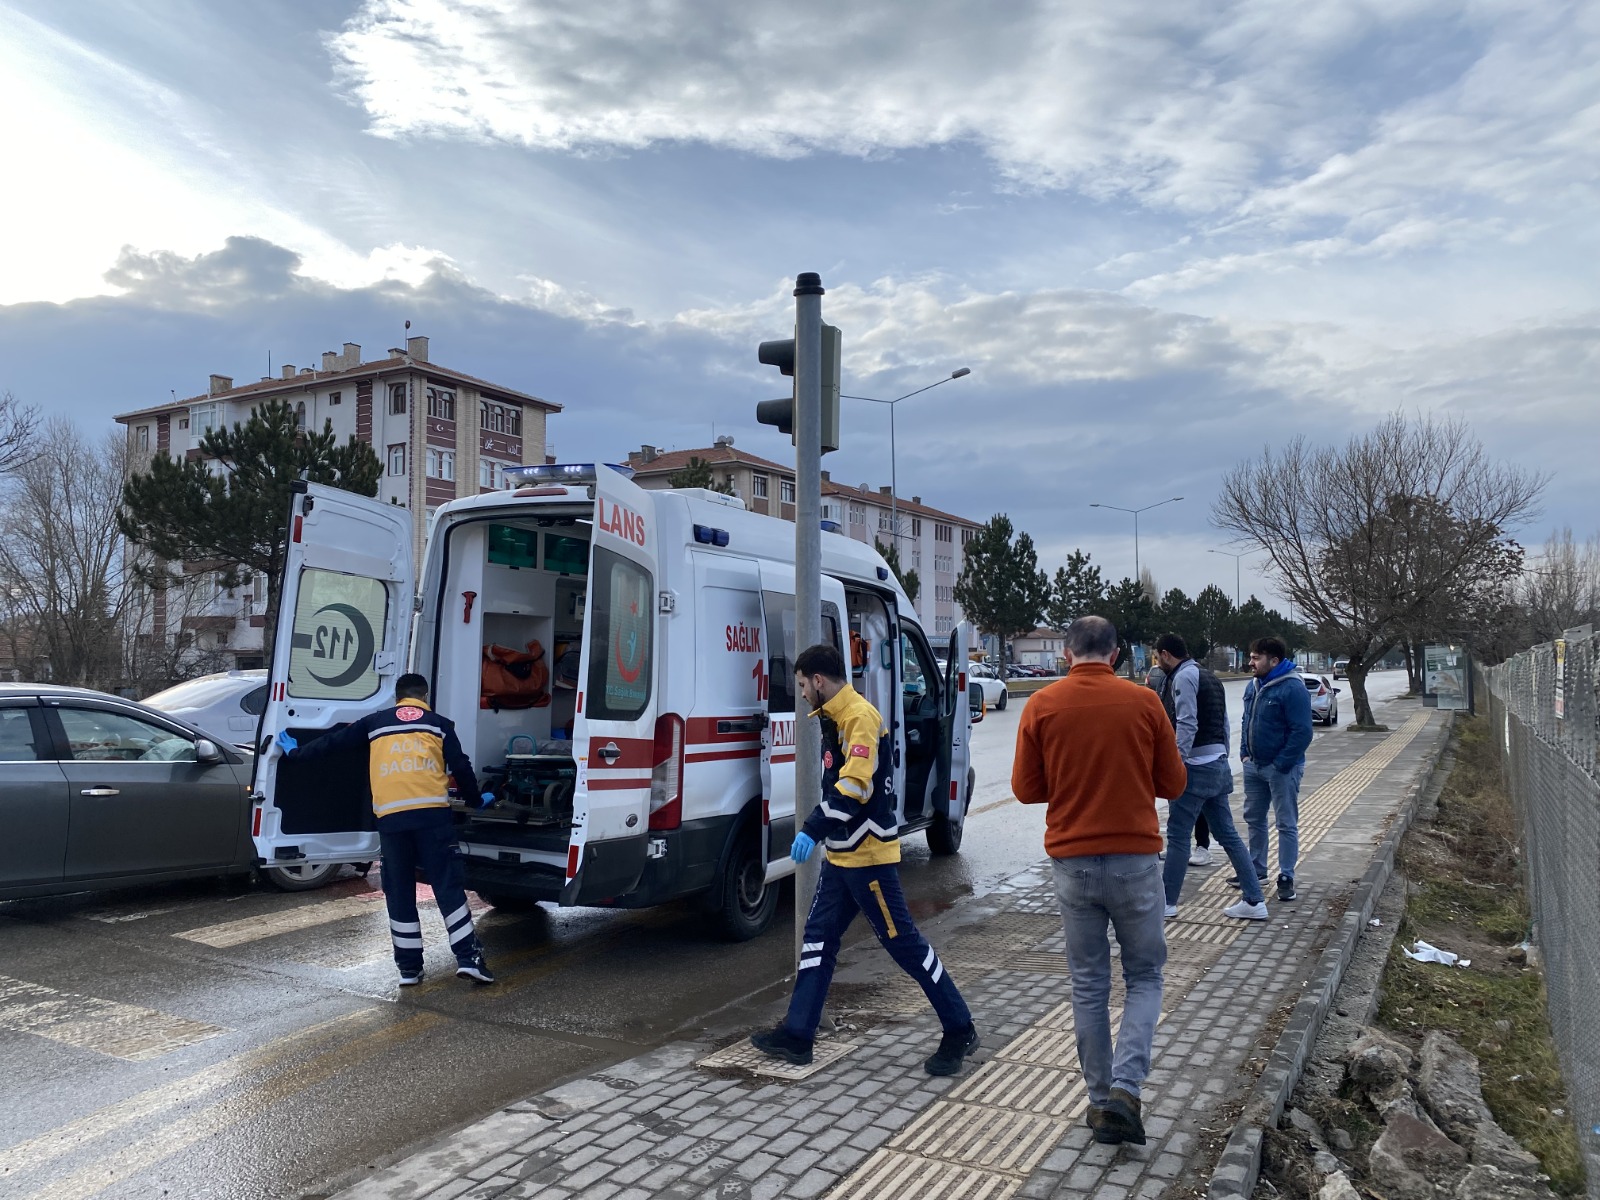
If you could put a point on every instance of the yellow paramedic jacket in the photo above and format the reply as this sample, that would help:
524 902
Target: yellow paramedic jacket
411 752
856 821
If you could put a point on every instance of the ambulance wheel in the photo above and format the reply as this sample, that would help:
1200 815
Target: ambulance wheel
748 904
944 835
303 878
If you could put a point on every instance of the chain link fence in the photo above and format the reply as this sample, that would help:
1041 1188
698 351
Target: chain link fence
1544 707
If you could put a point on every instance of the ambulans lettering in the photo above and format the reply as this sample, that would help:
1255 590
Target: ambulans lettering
620 522
744 639
781 734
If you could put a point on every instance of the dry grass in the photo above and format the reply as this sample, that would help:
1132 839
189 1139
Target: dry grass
1468 897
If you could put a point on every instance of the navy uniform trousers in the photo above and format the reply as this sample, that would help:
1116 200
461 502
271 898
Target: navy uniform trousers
875 893
425 838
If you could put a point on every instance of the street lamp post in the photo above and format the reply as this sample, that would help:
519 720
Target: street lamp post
1136 512
1236 556
894 482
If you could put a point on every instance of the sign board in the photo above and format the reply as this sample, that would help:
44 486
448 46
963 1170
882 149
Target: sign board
1561 679
1445 676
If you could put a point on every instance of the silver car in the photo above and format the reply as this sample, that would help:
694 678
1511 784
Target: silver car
227 705
1324 699
101 792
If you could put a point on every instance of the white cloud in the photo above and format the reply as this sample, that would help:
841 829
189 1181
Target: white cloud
1268 110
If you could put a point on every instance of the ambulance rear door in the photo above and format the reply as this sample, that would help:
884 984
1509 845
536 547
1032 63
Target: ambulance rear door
957 742
781 816
614 730
344 622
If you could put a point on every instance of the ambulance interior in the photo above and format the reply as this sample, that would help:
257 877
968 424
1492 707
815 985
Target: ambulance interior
512 689
874 656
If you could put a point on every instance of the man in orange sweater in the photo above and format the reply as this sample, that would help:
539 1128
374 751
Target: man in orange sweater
1095 749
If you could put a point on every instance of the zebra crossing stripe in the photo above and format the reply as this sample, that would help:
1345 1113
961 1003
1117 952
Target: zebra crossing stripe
124 1031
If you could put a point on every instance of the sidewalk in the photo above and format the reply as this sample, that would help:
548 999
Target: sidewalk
713 1118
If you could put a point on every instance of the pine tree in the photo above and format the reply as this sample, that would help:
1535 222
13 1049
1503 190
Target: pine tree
182 509
1078 591
909 580
1001 589
697 473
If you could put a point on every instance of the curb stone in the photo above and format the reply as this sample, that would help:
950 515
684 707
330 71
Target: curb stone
1239 1165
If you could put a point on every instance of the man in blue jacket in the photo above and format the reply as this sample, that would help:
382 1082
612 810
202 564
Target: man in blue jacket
1272 745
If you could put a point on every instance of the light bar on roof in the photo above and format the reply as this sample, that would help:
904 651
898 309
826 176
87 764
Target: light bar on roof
558 473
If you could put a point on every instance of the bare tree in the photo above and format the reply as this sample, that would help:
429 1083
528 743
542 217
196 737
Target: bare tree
17 424
1364 539
1563 589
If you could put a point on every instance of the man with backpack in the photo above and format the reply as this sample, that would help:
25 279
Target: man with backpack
1198 709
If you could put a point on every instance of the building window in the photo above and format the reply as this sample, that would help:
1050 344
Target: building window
758 486
916 526
883 522
300 415
441 463
397 398
830 512
500 418
858 515
786 491
488 471
442 403
183 422
143 438
205 418
944 563
966 536
941 533
335 397
397 460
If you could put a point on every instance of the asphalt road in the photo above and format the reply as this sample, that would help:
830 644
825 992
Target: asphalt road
226 1041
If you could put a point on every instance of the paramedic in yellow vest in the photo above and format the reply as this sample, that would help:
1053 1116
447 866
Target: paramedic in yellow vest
411 751
858 828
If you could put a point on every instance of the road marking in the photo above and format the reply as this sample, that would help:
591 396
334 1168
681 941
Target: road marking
306 916
121 1030
111 916
118 1167
64 1139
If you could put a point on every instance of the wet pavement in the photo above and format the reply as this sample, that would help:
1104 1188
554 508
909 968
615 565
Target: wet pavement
218 1040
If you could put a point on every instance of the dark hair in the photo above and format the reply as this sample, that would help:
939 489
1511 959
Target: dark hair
1173 644
1092 637
411 687
1270 646
821 659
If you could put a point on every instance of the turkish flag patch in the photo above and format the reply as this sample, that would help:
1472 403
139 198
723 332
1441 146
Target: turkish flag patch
408 713
860 752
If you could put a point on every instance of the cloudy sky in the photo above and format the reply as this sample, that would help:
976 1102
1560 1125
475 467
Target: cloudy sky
1161 234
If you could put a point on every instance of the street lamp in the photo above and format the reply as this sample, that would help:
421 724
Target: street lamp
1136 512
1236 556
894 483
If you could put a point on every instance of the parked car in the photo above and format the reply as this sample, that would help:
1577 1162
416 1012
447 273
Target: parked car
101 792
994 687
226 705
1324 699
1341 668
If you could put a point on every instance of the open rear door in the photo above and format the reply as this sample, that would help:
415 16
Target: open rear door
957 727
614 731
780 815
344 623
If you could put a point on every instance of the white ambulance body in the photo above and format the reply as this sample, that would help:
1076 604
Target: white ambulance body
677 777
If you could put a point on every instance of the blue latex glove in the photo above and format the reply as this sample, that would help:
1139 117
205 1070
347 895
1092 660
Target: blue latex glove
804 844
487 798
286 741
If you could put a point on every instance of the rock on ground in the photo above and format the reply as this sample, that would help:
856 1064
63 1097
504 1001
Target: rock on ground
1450 1086
1377 1065
1412 1157
1491 1183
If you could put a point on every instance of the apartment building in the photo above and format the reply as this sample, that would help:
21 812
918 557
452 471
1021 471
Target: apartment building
439 433
931 542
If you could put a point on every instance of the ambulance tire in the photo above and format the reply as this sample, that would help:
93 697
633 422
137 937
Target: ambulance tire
304 878
944 836
746 904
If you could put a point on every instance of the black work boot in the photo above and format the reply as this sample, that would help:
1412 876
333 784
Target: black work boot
780 1043
1120 1121
953 1047
1095 1119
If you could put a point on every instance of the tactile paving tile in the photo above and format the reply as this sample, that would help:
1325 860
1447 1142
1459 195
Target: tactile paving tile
742 1056
889 1175
1048 1091
991 1139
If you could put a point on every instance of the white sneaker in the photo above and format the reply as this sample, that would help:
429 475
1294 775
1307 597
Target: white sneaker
1245 911
1172 911
1200 856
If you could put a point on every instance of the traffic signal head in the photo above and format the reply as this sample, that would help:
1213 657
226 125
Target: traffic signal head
780 353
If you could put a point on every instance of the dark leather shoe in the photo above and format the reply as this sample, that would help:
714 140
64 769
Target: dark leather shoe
1095 1119
1120 1118
780 1043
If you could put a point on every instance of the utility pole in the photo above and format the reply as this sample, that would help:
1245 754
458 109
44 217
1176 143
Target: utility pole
808 381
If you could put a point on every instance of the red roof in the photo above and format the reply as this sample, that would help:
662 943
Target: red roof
670 461
377 367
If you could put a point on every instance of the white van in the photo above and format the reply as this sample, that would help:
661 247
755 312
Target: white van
666 769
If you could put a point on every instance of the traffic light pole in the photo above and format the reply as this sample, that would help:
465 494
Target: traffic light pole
808 294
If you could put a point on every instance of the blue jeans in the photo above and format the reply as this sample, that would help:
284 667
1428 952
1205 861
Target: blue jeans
423 840
1210 785
875 893
1122 891
1267 787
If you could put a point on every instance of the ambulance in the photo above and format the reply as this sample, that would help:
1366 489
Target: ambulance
619 665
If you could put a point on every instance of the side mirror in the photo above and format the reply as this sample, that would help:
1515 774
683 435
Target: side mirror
975 702
205 750
1336 691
